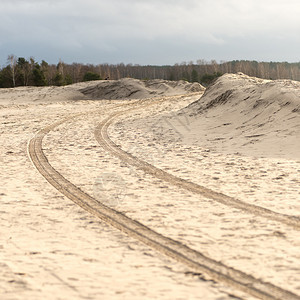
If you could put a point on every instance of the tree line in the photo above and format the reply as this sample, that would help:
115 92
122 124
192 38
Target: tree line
28 72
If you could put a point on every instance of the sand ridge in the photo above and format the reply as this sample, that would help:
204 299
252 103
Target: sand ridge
128 88
244 114
125 88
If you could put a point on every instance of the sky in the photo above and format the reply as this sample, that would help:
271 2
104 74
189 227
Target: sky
150 32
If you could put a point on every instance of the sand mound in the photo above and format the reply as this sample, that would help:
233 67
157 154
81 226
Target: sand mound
128 88
248 115
253 94
38 95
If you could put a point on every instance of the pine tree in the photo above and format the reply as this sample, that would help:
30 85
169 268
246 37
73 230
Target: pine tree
194 76
38 76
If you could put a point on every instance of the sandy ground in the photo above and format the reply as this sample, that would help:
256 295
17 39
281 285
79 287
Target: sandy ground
52 249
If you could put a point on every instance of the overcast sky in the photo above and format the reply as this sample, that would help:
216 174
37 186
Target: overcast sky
150 31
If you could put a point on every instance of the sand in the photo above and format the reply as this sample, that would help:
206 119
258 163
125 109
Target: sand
52 249
247 115
128 88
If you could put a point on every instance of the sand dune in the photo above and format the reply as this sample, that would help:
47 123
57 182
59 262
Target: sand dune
38 95
128 88
247 115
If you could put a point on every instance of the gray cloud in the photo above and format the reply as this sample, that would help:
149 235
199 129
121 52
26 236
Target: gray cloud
156 32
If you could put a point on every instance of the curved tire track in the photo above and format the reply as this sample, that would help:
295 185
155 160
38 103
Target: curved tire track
193 259
101 134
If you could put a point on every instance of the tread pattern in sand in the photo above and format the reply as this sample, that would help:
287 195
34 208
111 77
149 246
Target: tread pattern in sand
170 247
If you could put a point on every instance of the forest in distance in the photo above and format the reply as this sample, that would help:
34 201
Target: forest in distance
28 72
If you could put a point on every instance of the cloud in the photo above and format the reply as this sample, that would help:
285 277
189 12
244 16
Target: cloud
114 28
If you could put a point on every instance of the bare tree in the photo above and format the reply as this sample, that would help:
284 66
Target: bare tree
23 69
60 67
12 59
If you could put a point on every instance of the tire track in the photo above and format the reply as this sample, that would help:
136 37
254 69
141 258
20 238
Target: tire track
101 135
172 248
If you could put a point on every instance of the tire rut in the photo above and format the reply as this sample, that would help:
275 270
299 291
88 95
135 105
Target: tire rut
169 247
101 135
